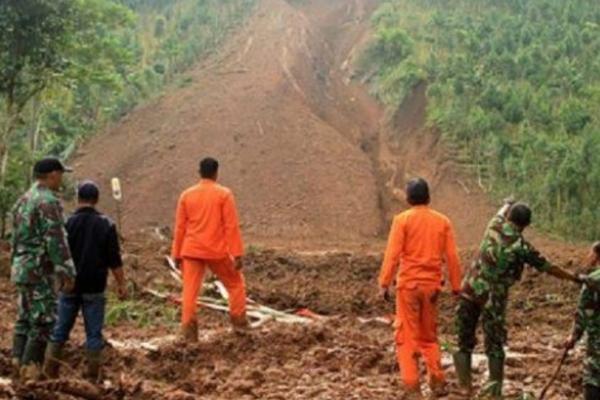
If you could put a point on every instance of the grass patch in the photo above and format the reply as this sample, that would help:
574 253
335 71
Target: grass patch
143 312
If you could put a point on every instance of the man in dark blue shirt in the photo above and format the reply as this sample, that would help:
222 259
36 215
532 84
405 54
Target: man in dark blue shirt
94 244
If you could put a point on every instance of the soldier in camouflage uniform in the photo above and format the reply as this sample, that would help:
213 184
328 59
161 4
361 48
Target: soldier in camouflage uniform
502 256
41 262
587 320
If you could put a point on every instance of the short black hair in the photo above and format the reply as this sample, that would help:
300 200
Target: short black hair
520 215
47 165
88 191
209 168
417 192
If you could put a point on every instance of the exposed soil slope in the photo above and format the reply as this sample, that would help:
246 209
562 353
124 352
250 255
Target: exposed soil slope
318 170
268 107
308 153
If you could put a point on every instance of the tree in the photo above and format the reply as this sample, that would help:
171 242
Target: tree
52 47
516 80
33 37
574 116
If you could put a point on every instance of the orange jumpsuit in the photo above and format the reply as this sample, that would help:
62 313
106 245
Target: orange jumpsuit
420 240
207 235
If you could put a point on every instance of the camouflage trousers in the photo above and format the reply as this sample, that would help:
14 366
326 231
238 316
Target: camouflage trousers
35 320
493 320
592 360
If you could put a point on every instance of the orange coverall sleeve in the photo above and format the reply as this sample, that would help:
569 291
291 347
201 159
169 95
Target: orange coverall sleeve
231 222
180 227
452 259
393 253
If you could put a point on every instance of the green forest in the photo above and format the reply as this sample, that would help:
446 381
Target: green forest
514 85
69 67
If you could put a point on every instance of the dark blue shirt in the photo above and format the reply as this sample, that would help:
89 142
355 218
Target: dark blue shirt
94 245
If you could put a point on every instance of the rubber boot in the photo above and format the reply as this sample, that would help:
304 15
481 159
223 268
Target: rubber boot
496 366
439 388
34 352
31 363
94 365
189 332
462 365
240 324
18 347
52 360
591 392
16 369
29 373
412 393
19 343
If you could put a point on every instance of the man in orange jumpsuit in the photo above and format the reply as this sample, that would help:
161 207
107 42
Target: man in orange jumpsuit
421 239
207 235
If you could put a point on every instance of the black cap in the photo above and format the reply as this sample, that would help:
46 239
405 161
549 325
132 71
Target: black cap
50 164
88 190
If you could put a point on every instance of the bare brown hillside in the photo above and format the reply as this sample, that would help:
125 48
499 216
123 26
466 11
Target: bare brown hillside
318 168
308 153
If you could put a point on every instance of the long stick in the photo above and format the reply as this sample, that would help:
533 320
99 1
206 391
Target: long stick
257 312
176 274
553 379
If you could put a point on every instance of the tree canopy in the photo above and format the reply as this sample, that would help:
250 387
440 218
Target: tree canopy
67 67
515 85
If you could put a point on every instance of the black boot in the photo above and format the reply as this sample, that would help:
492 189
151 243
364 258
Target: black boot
189 332
462 365
94 364
33 358
53 359
19 343
496 366
34 352
591 392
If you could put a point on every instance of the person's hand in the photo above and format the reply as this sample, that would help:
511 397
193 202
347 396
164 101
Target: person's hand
67 285
581 279
384 293
178 262
238 262
122 291
510 200
570 343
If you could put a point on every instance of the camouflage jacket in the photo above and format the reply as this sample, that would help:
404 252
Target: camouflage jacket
40 251
502 256
587 321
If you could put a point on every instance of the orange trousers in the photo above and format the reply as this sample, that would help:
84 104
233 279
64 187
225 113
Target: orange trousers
193 276
416 334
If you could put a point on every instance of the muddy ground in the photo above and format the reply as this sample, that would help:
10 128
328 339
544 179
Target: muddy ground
337 357
318 168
